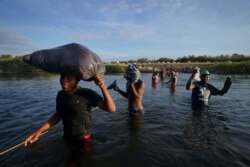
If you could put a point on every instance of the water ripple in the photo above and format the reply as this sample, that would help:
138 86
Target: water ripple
167 134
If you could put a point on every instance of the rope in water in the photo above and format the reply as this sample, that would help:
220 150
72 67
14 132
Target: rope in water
22 143
18 145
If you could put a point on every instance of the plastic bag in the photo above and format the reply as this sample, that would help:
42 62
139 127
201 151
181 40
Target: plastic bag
132 73
68 58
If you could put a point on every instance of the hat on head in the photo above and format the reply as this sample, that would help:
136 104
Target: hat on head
205 72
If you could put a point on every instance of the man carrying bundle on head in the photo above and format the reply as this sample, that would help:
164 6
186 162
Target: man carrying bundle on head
134 89
73 103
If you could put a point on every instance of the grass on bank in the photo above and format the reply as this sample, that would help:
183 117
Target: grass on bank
233 68
115 68
15 65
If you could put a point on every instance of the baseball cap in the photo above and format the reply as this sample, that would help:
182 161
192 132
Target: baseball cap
205 72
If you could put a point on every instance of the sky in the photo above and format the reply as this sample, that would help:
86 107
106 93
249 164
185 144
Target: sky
127 29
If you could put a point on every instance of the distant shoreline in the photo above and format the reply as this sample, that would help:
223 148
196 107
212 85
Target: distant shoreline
218 68
17 66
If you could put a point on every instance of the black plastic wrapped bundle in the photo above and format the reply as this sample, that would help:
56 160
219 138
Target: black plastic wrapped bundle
73 58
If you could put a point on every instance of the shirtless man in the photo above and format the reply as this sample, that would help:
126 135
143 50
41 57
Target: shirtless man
134 89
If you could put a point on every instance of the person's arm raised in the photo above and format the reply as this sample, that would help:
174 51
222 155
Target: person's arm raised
107 103
124 94
190 85
226 86
138 93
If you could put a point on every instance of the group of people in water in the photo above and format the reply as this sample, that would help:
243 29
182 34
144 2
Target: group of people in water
197 83
74 103
162 75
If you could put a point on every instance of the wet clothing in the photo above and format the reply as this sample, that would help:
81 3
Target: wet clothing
137 110
75 111
80 146
201 93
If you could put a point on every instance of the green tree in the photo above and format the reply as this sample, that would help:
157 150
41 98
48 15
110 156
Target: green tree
142 60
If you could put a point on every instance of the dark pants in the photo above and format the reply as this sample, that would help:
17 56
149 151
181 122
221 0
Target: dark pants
79 146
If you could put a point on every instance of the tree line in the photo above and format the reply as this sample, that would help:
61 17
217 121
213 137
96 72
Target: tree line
241 65
192 58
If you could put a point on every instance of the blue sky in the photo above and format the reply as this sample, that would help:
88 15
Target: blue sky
127 29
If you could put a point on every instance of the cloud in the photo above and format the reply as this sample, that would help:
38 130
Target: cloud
127 26
139 6
101 30
14 43
114 24
102 35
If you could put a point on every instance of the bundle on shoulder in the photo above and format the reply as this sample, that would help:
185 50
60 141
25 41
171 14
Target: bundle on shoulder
67 58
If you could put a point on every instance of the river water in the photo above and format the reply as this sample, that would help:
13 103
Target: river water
167 134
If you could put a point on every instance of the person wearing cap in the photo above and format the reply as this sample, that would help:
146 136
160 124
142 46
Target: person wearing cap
202 90
135 88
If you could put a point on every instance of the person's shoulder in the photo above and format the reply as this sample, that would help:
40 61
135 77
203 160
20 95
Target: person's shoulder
210 85
85 90
60 92
197 83
140 83
88 92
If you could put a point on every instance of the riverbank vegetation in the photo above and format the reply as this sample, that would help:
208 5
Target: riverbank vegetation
9 64
223 64
192 58
232 68
115 68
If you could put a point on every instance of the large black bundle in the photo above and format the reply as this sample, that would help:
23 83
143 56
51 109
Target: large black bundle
73 57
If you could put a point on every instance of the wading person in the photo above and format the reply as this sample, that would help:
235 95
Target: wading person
202 90
134 89
73 107
155 78
173 79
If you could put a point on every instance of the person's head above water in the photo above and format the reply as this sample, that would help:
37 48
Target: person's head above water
69 81
132 73
173 73
204 76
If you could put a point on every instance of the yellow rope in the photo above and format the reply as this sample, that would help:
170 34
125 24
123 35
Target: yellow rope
16 146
